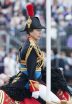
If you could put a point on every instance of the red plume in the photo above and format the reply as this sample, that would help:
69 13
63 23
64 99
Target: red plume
30 10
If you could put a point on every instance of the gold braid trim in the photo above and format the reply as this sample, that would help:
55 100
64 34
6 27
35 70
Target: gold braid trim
28 52
37 49
32 44
40 54
39 66
16 78
29 21
40 59
23 62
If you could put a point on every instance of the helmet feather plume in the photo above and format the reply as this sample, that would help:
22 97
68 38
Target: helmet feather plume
30 10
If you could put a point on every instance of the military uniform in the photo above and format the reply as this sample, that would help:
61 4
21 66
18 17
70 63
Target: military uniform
31 62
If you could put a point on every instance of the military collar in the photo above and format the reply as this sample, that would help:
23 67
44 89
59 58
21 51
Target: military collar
32 40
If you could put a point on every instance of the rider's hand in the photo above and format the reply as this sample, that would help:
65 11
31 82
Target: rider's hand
36 85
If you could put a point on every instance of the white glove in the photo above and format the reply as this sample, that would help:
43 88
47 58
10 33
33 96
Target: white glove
35 94
43 94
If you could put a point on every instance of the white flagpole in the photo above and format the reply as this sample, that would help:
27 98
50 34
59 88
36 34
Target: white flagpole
48 47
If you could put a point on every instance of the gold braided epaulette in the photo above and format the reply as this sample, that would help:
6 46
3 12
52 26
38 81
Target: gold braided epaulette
28 52
32 44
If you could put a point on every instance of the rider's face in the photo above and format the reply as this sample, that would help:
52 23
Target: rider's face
35 34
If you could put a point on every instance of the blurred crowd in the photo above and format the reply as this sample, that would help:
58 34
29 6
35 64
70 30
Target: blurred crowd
13 13
8 66
63 61
62 22
61 17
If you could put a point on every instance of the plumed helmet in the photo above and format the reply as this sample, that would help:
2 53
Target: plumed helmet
32 22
